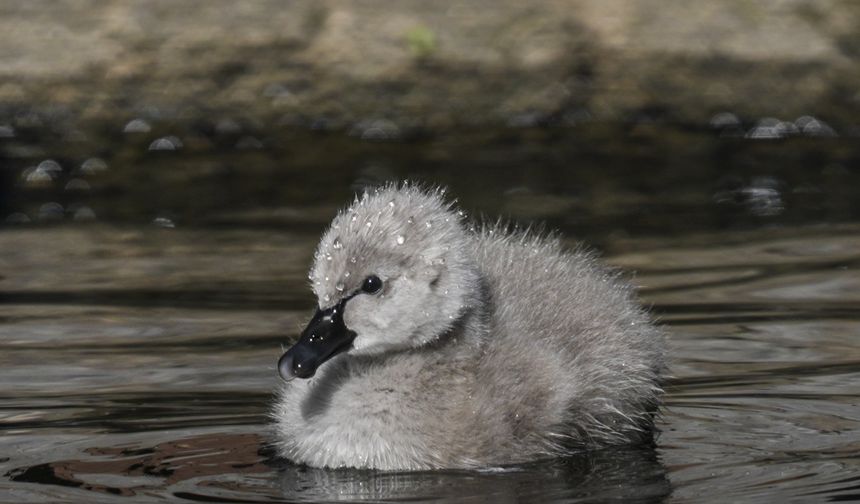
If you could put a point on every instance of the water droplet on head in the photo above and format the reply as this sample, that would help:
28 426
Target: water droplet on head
391 204
400 239
368 223
310 276
346 274
328 257
339 286
337 244
410 220
428 224
326 298
326 279
352 259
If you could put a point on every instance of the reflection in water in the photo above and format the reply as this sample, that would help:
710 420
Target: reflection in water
625 474
229 467
142 470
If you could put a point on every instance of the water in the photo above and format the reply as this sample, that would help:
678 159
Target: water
139 346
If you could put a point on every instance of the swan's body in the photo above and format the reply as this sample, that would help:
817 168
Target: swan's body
483 348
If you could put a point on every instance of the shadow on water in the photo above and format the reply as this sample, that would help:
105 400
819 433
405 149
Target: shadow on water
241 468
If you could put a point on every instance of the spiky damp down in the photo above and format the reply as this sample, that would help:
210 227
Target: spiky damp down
482 346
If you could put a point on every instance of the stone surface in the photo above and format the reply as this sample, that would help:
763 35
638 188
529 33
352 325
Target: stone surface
432 64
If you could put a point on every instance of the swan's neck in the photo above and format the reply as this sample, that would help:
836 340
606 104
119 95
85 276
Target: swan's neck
469 335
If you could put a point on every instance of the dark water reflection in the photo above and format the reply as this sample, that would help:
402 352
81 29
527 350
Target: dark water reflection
138 359
238 467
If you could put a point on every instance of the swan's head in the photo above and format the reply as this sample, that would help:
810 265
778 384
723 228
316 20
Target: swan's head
392 272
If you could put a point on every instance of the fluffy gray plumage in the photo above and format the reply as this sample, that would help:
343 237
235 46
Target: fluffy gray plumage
485 347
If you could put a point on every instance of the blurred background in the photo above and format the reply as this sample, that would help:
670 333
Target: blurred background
590 113
167 167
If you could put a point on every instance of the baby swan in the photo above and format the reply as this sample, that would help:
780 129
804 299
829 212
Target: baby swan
438 346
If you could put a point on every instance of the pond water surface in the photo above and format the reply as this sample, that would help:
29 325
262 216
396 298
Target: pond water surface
138 338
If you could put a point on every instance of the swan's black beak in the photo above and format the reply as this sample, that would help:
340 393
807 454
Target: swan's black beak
325 336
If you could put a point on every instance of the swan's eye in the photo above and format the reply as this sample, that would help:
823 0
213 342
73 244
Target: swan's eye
371 285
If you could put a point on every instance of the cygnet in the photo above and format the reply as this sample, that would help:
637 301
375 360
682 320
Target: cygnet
438 343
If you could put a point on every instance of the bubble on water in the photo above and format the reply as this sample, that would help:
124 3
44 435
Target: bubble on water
51 211
249 143
50 166
346 274
428 224
410 220
77 184
17 218
328 257
461 213
162 144
93 165
354 218
810 126
7 131
137 126
168 143
84 213
391 204
339 286
368 224
376 130
766 129
337 244
400 239
164 222
352 259
326 298
36 177
724 120
310 275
